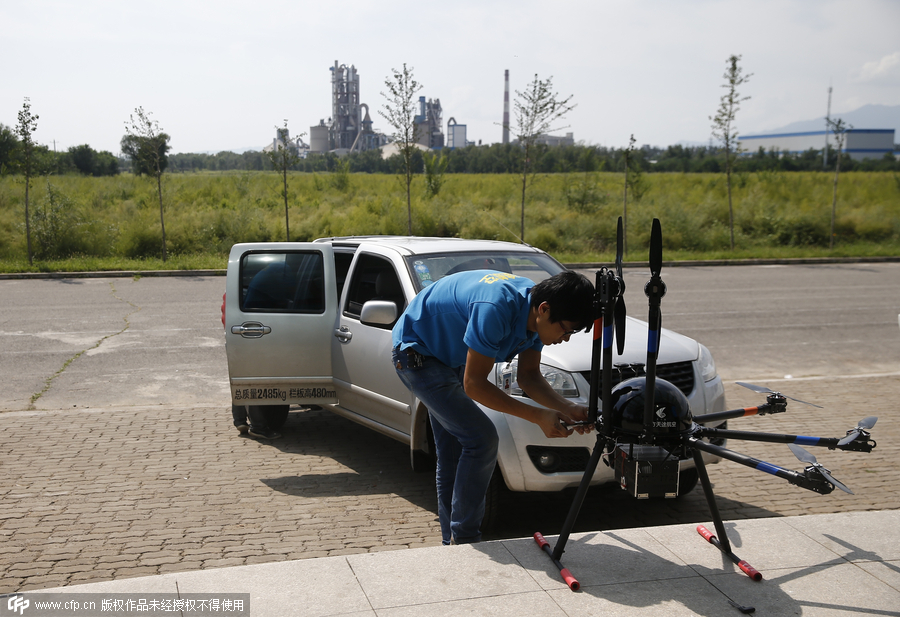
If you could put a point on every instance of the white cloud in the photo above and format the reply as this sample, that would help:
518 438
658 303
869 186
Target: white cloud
888 68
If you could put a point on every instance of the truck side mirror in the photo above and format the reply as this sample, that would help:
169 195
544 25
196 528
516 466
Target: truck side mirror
379 313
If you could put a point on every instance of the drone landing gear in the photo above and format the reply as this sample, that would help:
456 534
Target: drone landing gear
556 553
722 544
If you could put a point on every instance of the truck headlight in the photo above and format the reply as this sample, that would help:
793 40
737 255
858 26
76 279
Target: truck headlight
562 382
707 364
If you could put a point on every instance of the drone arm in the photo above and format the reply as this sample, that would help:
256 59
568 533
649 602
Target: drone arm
813 483
761 410
824 442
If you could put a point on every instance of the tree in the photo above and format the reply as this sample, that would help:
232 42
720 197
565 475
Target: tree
400 113
8 147
146 145
105 164
435 167
723 125
24 129
839 128
536 110
284 156
84 158
628 154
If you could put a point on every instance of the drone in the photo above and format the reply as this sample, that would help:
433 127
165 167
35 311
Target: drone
645 427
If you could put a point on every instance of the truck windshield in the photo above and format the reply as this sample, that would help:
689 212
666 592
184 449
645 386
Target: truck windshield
427 269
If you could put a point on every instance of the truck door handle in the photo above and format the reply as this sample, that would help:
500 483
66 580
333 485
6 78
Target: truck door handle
251 329
343 334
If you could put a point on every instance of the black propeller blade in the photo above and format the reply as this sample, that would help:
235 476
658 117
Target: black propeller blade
619 242
620 312
655 289
655 248
861 428
806 457
764 390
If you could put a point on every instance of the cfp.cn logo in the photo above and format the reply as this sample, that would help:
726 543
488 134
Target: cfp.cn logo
17 604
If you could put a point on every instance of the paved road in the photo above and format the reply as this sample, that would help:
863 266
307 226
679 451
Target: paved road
119 458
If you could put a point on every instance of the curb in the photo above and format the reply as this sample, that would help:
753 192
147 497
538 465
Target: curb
109 274
798 261
793 261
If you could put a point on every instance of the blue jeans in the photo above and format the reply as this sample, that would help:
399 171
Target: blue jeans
240 413
465 439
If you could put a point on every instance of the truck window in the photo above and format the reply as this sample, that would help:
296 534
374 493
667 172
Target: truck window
342 262
292 282
374 278
429 268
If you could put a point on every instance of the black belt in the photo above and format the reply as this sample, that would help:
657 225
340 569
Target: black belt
413 358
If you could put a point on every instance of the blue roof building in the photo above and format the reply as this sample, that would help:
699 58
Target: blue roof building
858 143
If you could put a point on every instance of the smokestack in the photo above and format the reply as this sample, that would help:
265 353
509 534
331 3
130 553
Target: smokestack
506 107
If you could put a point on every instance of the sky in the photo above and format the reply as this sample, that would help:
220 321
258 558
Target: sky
221 75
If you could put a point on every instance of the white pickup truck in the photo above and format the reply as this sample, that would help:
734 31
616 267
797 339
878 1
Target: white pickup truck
310 324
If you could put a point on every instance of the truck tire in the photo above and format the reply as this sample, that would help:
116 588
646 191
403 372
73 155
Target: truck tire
425 461
496 502
687 481
275 415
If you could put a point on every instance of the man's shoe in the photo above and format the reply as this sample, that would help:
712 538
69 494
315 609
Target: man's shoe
264 433
243 429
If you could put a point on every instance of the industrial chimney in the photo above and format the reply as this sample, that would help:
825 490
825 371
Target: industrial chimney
506 107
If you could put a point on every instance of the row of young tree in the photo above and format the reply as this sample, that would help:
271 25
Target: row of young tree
502 158
493 158
78 159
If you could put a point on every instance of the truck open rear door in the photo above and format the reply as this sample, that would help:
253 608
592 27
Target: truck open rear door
280 313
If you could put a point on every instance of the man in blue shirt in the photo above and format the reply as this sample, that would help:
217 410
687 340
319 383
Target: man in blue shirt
445 346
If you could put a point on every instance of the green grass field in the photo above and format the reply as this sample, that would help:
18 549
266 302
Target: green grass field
82 223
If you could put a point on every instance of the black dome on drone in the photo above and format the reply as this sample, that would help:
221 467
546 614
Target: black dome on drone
672 412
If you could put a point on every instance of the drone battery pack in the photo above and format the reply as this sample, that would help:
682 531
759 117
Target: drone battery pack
646 471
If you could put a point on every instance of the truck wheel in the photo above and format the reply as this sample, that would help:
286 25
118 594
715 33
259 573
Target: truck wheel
275 415
496 502
425 461
687 481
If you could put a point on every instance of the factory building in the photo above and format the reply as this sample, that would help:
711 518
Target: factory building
283 139
349 129
428 123
858 143
456 134
556 140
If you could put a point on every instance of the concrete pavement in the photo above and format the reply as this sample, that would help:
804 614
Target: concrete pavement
92 495
829 564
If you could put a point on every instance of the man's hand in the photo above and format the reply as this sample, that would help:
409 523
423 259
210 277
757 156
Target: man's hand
553 423
559 424
580 414
548 418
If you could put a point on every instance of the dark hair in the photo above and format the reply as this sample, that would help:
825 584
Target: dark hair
570 296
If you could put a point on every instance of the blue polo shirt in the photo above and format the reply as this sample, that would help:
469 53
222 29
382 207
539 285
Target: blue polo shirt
484 310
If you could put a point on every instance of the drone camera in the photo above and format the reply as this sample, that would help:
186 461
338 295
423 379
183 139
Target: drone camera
646 471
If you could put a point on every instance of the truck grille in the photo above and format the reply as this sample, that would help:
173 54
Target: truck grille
680 374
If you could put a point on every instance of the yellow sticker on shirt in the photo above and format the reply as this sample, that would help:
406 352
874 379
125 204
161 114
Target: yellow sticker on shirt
497 276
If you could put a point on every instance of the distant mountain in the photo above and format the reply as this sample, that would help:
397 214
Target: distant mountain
215 152
866 117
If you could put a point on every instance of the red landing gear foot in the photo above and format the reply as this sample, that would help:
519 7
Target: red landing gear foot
570 580
745 567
